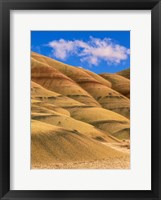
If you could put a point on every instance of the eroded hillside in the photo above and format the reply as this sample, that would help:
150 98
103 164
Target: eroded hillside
78 116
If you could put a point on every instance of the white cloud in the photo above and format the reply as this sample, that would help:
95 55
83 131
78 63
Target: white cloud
62 48
92 51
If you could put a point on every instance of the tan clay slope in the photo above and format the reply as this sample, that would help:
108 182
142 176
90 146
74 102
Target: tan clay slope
43 95
125 73
64 121
59 145
103 119
38 107
108 98
75 73
98 78
119 83
39 91
104 95
55 81
45 107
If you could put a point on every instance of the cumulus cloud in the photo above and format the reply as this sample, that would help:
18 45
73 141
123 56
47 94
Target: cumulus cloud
92 51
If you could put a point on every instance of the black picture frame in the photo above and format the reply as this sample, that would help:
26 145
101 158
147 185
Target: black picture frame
5 7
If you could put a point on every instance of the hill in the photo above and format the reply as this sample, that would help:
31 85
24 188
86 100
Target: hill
55 146
53 80
79 119
118 83
125 73
94 91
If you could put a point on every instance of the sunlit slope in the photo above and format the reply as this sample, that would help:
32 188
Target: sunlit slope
91 84
46 107
108 98
68 96
107 121
51 144
40 93
119 83
42 109
55 81
103 119
75 73
98 78
62 120
125 73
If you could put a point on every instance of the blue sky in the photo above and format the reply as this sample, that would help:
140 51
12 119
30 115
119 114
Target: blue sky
97 51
